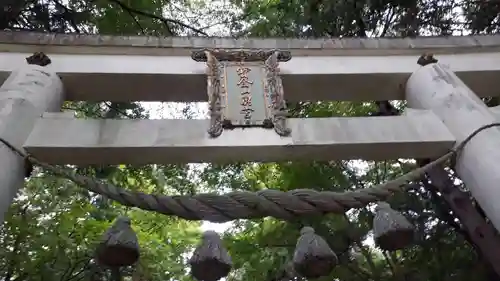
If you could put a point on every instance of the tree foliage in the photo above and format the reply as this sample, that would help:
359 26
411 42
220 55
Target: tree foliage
53 225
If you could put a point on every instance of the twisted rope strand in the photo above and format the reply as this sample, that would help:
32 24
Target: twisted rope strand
249 205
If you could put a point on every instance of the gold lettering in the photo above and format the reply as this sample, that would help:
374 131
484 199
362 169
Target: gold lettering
246 101
243 81
247 112
243 71
246 97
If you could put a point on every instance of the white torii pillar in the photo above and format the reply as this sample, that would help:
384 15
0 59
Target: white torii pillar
24 97
437 88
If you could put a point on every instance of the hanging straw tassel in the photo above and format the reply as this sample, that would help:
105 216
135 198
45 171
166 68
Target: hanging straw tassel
119 245
210 260
313 258
392 231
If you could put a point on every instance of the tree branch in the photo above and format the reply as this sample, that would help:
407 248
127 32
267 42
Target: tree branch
139 24
164 20
112 109
360 272
70 12
388 22
389 264
366 253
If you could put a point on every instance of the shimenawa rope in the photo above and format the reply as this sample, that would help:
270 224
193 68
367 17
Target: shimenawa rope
247 205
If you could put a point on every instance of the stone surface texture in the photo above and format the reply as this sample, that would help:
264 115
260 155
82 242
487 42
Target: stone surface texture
434 87
120 68
329 46
62 139
28 92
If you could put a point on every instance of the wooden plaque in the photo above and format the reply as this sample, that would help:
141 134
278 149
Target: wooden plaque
245 90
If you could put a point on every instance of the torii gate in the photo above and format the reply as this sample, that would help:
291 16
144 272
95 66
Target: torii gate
445 107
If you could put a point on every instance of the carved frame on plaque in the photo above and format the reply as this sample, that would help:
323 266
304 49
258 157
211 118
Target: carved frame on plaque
244 90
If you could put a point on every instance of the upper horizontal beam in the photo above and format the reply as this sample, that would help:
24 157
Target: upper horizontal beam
182 46
58 139
122 69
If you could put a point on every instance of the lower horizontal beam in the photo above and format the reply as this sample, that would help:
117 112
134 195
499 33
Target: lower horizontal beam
58 139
